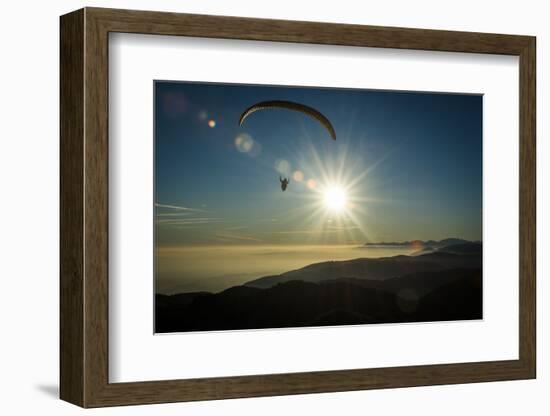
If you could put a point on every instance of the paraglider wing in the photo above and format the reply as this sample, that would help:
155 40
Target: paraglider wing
289 105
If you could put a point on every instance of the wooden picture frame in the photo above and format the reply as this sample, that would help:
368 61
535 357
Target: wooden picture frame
84 207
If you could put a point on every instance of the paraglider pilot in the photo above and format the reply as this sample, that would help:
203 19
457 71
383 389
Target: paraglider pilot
284 183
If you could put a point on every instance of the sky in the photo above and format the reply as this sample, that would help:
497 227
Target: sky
404 166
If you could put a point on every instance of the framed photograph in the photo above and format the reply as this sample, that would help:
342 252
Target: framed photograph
260 207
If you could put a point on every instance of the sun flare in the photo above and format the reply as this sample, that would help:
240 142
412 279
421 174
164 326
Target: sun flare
335 199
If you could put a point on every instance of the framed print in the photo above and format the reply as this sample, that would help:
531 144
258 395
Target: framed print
257 207
285 226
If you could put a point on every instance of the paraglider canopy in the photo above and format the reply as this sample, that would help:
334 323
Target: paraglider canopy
289 105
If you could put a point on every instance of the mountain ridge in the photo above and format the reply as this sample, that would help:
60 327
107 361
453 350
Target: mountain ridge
464 256
431 243
439 285
431 296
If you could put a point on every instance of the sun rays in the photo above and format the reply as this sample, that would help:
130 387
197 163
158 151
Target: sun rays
334 191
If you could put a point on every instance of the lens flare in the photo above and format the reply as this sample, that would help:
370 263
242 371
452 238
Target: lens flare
211 123
298 176
283 167
246 144
243 143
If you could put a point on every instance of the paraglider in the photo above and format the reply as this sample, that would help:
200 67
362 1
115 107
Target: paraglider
292 106
284 183
289 105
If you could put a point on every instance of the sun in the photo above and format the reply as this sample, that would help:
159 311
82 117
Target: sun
335 199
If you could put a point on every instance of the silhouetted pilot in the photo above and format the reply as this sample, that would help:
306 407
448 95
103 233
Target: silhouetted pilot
284 183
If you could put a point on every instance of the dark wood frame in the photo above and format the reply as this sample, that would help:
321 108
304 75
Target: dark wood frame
84 207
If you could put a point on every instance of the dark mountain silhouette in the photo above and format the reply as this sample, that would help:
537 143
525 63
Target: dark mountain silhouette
463 248
467 255
420 283
181 299
462 298
431 296
439 286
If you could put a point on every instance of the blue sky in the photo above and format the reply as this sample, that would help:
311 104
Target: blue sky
409 165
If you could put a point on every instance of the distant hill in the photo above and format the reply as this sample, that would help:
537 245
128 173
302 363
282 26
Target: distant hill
463 256
463 248
469 247
420 283
420 243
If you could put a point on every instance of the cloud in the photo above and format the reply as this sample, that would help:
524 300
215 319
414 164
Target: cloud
342 227
188 221
238 237
328 230
178 207
248 223
237 228
173 214
297 232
